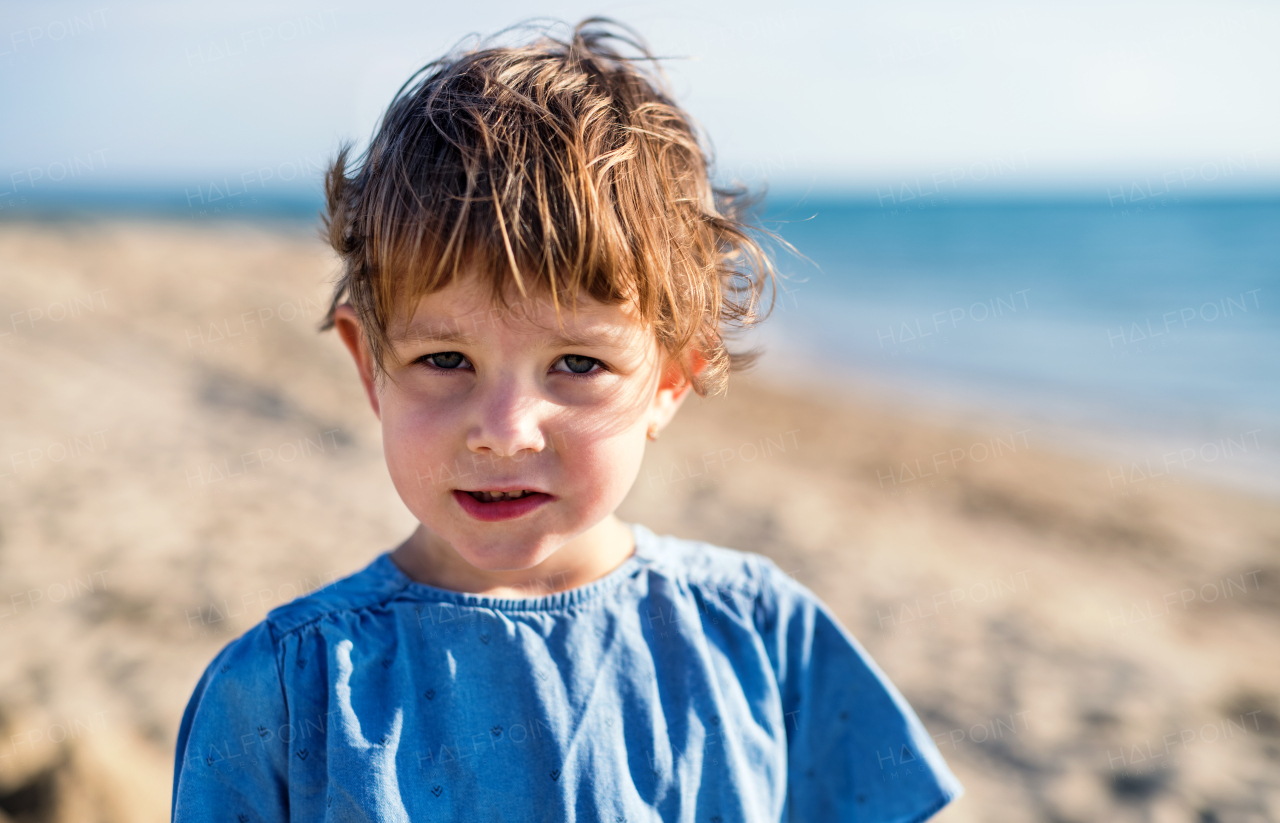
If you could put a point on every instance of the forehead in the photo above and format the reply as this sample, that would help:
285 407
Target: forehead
467 312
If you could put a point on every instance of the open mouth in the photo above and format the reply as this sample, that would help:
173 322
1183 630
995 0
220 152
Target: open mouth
494 497
489 506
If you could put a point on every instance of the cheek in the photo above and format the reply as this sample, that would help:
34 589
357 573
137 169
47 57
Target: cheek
603 468
416 448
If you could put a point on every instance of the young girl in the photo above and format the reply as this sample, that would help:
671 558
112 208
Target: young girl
537 271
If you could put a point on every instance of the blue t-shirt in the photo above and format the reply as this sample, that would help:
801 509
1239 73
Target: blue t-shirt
692 683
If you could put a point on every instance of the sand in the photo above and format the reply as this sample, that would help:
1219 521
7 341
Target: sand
1081 648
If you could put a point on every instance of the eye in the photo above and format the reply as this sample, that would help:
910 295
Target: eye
444 360
578 364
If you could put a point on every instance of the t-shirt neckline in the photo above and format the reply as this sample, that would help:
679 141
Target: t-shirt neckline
387 568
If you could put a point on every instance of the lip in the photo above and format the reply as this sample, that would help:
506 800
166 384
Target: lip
502 509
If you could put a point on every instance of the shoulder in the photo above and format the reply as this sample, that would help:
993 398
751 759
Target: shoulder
373 585
244 660
717 567
243 683
253 662
236 710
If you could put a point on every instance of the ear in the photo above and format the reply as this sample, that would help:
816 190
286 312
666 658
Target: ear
347 322
674 387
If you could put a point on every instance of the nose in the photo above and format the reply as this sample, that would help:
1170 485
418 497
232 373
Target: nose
508 423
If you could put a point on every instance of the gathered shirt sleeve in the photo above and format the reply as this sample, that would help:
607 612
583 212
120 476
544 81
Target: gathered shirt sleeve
231 761
856 750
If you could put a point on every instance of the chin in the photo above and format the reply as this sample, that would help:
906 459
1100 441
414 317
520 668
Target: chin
505 555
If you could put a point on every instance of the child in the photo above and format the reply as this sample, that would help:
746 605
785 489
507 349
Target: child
537 272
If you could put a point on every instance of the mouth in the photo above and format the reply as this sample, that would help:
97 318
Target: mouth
497 497
493 505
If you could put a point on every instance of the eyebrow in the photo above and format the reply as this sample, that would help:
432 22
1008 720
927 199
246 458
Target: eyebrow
429 334
442 333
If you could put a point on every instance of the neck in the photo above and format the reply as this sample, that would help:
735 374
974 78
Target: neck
425 558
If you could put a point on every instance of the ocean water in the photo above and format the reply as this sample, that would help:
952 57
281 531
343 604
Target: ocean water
1140 333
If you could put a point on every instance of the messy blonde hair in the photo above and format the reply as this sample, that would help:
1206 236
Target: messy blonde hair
562 167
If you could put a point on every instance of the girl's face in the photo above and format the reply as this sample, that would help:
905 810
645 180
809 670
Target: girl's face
507 433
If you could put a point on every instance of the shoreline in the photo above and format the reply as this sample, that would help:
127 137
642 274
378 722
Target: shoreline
1134 453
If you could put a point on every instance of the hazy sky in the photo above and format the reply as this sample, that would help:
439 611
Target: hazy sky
806 94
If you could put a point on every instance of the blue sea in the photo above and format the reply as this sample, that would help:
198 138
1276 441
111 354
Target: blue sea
1148 335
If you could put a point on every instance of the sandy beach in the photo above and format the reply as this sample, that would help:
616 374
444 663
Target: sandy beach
1083 646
